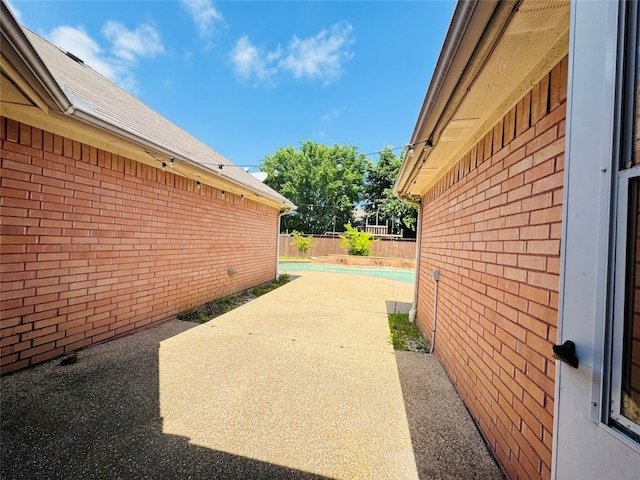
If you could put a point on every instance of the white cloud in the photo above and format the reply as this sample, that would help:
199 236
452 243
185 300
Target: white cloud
144 41
318 57
330 116
78 42
204 15
126 47
248 60
321 56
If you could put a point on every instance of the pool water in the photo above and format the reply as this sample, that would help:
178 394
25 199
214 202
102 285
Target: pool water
384 272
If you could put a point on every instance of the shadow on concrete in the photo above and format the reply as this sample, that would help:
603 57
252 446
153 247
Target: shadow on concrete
446 442
394 306
100 419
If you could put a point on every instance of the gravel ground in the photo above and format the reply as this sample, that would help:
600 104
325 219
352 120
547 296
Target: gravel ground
99 419
445 440
300 383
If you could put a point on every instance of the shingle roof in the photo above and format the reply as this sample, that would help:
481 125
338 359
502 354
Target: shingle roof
94 94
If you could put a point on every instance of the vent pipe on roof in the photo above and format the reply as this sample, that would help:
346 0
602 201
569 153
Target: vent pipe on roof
74 58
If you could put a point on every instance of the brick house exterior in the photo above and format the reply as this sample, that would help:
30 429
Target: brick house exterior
486 165
492 227
99 242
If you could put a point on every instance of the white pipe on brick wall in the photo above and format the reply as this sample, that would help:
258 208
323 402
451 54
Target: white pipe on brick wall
436 278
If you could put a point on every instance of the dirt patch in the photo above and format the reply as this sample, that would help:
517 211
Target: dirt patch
220 306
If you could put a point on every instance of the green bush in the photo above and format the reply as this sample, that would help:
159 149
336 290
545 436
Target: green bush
193 316
301 242
283 278
357 243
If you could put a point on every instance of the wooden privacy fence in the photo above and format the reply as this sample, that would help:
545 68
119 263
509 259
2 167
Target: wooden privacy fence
328 245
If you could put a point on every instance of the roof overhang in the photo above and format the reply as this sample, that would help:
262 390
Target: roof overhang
30 94
494 52
24 71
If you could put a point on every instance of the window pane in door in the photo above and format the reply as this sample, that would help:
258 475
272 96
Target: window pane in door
630 401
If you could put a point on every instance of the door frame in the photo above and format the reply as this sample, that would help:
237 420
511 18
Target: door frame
584 446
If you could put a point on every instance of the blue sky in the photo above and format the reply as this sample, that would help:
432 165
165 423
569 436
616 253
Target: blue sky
247 78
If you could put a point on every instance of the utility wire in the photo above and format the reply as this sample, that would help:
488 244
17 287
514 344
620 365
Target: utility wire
221 166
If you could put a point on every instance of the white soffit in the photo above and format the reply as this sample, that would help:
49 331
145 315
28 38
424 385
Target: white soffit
535 40
539 16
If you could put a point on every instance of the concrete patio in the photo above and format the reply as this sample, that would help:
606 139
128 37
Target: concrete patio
301 383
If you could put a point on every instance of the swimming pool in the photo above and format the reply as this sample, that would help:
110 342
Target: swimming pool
384 272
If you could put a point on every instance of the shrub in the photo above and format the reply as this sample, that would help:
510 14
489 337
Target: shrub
357 243
301 242
193 316
283 278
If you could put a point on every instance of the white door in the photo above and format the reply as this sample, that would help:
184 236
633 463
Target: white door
597 405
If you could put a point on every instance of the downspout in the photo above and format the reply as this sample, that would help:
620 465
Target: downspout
280 214
436 274
418 203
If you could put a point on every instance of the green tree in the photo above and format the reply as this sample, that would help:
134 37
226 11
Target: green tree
378 192
325 182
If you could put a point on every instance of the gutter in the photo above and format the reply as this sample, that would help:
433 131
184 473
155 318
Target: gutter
475 29
459 24
457 30
64 102
95 121
12 31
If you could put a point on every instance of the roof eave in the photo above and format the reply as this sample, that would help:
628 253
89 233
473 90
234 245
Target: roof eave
468 24
31 65
28 64
96 121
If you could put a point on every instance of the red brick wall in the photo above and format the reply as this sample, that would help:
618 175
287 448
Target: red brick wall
492 226
95 245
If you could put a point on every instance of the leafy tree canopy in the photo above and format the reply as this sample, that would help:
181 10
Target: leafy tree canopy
378 192
325 182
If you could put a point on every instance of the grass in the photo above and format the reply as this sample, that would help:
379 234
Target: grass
214 308
268 287
405 335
